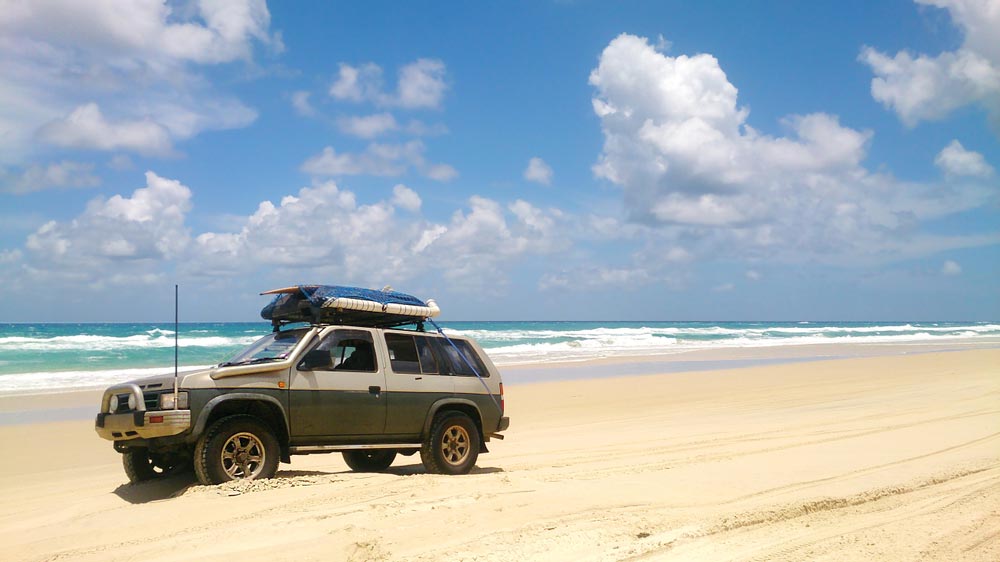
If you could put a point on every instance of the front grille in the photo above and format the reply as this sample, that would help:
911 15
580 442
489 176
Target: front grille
151 400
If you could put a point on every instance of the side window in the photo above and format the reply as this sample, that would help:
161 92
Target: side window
350 350
403 354
428 359
455 364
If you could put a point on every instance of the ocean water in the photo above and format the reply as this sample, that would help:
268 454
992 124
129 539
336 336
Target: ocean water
49 357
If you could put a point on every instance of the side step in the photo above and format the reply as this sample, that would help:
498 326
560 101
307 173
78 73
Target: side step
308 449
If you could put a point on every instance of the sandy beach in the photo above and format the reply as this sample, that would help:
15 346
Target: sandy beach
874 458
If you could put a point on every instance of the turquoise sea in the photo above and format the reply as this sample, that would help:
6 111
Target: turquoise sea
48 357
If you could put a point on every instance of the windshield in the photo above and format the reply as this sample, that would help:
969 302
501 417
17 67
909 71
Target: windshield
272 347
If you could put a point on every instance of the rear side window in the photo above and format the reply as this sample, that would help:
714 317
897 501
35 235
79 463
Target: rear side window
428 358
455 364
403 354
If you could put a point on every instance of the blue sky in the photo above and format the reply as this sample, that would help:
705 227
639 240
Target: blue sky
534 160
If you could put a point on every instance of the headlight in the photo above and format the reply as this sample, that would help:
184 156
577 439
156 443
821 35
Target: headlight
167 401
131 402
113 404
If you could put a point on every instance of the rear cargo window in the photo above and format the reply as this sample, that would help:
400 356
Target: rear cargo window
455 364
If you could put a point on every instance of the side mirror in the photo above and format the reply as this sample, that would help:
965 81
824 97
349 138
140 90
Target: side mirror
315 359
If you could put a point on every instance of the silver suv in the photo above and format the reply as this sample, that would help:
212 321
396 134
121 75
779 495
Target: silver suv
368 391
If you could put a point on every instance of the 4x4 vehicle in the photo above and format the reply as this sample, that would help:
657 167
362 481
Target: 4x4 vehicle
350 381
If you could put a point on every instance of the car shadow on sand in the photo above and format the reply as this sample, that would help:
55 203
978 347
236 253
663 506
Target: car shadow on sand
176 484
159 489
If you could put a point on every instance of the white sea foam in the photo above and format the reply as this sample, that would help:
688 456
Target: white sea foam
79 380
111 343
516 345
624 342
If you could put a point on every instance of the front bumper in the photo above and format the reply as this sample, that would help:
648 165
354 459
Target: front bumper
138 424
142 425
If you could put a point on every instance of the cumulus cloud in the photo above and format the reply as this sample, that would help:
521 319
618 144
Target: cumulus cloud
538 171
55 175
677 141
370 243
377 160
921 87
147 29
107 76
128 234
955 160
421 84
405 198
86 127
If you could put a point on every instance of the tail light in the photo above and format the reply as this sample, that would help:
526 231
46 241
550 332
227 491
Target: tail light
502 408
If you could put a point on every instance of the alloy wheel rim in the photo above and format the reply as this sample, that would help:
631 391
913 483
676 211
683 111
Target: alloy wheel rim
243 456
455 445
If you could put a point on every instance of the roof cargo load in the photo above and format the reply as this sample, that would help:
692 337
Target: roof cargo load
332 304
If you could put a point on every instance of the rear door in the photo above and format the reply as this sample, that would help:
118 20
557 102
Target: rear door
345 398
416 378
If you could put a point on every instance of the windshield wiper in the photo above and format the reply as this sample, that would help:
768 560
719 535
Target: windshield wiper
250 361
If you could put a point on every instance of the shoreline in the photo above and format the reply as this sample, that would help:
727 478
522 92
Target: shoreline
19 407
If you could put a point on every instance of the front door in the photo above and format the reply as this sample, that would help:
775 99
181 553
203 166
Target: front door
343 398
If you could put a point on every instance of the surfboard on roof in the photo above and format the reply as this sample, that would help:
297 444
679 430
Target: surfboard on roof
357 306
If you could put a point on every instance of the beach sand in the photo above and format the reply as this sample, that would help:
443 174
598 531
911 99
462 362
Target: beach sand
876 458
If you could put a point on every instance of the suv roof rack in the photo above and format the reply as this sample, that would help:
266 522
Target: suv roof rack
355 306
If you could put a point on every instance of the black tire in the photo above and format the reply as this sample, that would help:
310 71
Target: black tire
452 446
239 447
371 460
141 465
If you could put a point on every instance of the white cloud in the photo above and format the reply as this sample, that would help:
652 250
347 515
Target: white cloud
421 84
86 127
358 83
405 198
441 172
377 160
133 234
148 30
538 171
955 160
64 62
753 275
368 126
922 87
371 244
56 175
697 175
301 105
951 268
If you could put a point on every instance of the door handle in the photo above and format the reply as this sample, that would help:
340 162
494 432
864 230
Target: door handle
376 390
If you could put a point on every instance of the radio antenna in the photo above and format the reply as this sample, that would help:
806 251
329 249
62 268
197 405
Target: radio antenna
176 345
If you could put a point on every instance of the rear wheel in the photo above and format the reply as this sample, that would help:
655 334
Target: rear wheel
236 448
452 446
141 464
374 460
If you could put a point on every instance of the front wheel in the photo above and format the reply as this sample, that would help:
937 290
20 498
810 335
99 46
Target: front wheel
238 447
452 446
375 460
